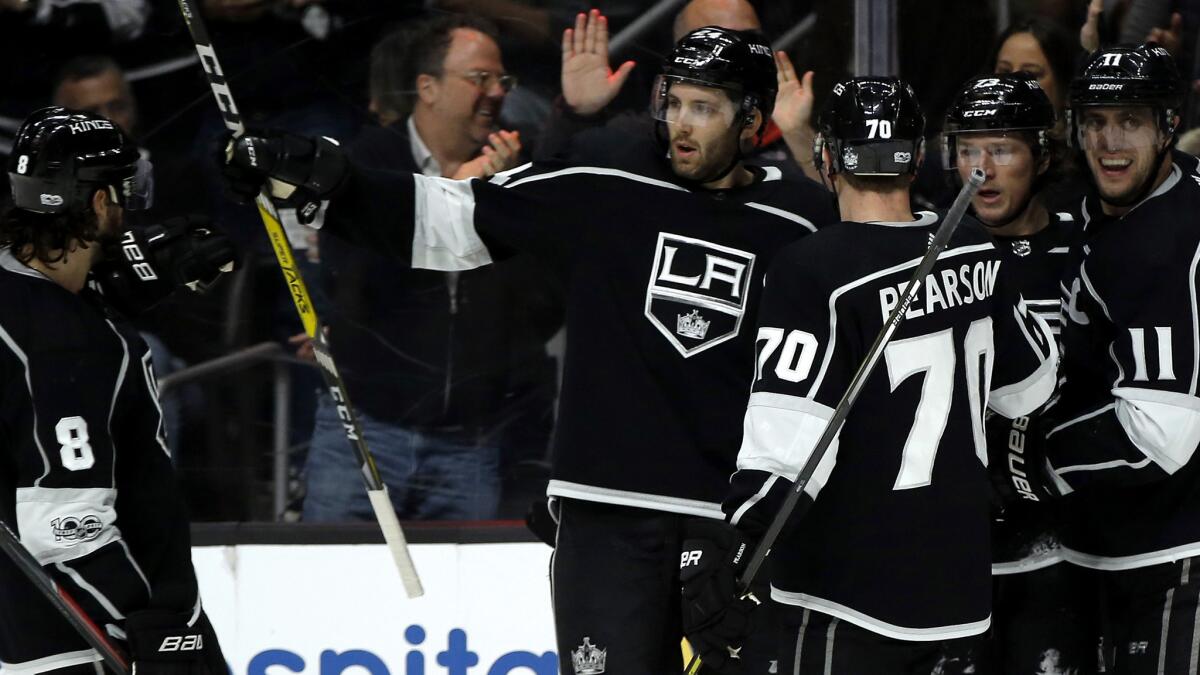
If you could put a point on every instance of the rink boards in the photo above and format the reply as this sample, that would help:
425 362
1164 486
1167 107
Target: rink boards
327 609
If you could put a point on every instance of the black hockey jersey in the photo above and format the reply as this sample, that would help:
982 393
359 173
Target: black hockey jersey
1026 539
662 285
85 477
893 532
1122 437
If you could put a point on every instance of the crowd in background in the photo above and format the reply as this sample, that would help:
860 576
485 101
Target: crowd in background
456 375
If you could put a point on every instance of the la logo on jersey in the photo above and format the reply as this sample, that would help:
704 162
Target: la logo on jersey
697 292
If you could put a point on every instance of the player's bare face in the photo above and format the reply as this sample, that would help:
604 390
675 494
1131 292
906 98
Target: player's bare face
699 120
1009 169
470 91
1121 145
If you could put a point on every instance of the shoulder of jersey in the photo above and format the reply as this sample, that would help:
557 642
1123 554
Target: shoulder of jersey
39 314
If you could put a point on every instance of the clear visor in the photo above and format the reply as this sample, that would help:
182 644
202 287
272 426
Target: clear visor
977 152
1114 130
137 191
680 101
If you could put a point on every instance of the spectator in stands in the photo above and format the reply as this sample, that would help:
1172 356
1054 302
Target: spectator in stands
733 14
97 84
443 368
1044 50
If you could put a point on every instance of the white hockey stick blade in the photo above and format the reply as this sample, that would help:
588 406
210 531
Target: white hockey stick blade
385 513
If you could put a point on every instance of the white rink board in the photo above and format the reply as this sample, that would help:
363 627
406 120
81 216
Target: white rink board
322 610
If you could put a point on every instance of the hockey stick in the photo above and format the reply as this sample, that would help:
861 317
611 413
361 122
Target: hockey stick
62 601
834 425
385 513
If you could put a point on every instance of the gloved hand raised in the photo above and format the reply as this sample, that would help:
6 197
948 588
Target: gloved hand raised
716 618
299 171
149 263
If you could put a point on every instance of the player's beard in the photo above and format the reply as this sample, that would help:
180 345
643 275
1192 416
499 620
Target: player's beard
706 161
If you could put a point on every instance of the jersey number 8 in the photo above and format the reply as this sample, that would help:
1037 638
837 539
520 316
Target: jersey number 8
75 451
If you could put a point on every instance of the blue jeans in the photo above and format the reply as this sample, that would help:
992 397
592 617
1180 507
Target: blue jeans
428 477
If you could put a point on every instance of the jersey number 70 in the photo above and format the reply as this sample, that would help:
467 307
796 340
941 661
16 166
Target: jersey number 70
932 355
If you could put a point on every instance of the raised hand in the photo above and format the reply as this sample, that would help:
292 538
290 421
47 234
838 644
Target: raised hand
793 113
1171 37
588 84
794 103
1089 33
502 153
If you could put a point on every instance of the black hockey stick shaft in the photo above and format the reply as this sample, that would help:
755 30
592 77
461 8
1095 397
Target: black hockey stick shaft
834 425
385 513
62 601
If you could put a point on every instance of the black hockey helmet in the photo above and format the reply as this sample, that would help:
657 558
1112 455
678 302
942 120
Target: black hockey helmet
1127 75
873 126
60 157
740 62
1000 103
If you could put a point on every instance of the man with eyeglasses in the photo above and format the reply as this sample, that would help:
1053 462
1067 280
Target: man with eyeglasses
448 370
1120 441
1003 124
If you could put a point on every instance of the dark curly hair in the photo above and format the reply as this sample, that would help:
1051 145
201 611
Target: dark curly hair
46 236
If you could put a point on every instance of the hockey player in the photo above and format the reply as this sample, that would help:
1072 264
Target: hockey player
85 478
1003 124
885 568
1121 439
662 263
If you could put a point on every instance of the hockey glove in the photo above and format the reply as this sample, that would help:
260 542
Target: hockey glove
1017 462
716 618
162 643
299 171
149 263
541 522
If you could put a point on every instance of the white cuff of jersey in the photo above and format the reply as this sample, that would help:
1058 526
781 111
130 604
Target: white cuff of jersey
444 236
779 435
1163 425
1026 396
61 524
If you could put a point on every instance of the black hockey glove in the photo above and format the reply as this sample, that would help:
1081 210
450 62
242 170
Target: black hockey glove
162 643
541 522
716 618
299 171
149 263
1017 462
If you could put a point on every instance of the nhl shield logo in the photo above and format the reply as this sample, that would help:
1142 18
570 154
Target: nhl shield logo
697 292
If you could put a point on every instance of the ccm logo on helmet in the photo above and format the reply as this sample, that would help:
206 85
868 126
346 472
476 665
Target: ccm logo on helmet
1106 87
182 643
50 200
979 113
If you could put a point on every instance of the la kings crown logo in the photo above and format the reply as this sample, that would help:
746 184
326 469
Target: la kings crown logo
588 659
697 292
